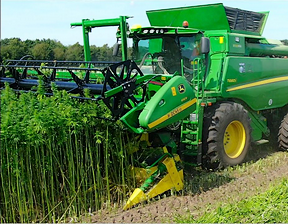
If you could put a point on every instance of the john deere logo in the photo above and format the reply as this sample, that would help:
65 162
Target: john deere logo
181 88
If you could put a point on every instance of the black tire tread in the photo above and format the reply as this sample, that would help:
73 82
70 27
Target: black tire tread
283 134
213 158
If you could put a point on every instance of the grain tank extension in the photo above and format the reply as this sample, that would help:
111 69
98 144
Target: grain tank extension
202 84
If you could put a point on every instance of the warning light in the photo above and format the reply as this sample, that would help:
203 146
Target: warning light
203 104
185 24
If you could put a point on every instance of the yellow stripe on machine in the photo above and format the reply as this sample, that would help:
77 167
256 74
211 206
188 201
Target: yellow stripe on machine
172 113
258 83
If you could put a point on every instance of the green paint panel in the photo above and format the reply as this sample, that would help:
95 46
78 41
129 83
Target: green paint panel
206 17
267 49
130 119
218 44
236 44
155 45
212 82
211 17
260 82
173 102
258 125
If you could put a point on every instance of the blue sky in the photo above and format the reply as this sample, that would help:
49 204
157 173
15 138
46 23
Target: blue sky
38 19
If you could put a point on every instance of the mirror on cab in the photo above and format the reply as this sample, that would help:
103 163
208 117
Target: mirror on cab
116 47
205 45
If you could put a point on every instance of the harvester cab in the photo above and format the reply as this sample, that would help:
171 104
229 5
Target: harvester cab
161 50
196 87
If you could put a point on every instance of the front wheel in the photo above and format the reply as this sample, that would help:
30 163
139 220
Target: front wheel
283 134
227 137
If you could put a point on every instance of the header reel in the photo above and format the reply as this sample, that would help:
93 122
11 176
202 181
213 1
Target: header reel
123 75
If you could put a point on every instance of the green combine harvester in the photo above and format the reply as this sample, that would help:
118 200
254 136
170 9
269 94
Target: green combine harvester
202 84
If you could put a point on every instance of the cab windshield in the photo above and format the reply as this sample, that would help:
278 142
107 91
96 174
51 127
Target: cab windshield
163 55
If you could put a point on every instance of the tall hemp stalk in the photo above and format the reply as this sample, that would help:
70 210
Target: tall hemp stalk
58 161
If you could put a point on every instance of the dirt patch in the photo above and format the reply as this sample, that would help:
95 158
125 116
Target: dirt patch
240 183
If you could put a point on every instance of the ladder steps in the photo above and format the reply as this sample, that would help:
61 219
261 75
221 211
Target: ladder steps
190 142
190 122
190 153
190 132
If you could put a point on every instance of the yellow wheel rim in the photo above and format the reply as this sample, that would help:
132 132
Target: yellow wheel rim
234 139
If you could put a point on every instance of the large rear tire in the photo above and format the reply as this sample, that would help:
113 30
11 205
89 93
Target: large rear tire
227 137
283 134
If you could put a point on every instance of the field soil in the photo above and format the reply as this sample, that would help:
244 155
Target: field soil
205 191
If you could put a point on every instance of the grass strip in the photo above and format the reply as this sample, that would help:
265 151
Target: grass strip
266 207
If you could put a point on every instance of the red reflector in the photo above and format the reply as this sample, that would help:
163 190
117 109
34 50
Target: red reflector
156 83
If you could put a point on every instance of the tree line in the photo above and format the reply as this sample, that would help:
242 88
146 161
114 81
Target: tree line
47 49
285 41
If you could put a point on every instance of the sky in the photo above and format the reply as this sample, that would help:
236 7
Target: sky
50 19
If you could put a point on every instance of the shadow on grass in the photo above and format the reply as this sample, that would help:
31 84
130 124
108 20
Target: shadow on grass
260 152
198 180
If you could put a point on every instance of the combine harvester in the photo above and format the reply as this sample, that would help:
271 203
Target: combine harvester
202 84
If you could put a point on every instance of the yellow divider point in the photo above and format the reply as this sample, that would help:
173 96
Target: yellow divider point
137 196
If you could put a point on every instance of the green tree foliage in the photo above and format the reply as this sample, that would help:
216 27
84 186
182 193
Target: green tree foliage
75 52
104 53
12 48
59 53
42 51
285 41
47 49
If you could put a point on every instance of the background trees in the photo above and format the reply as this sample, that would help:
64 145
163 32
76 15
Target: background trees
285 41
47 49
